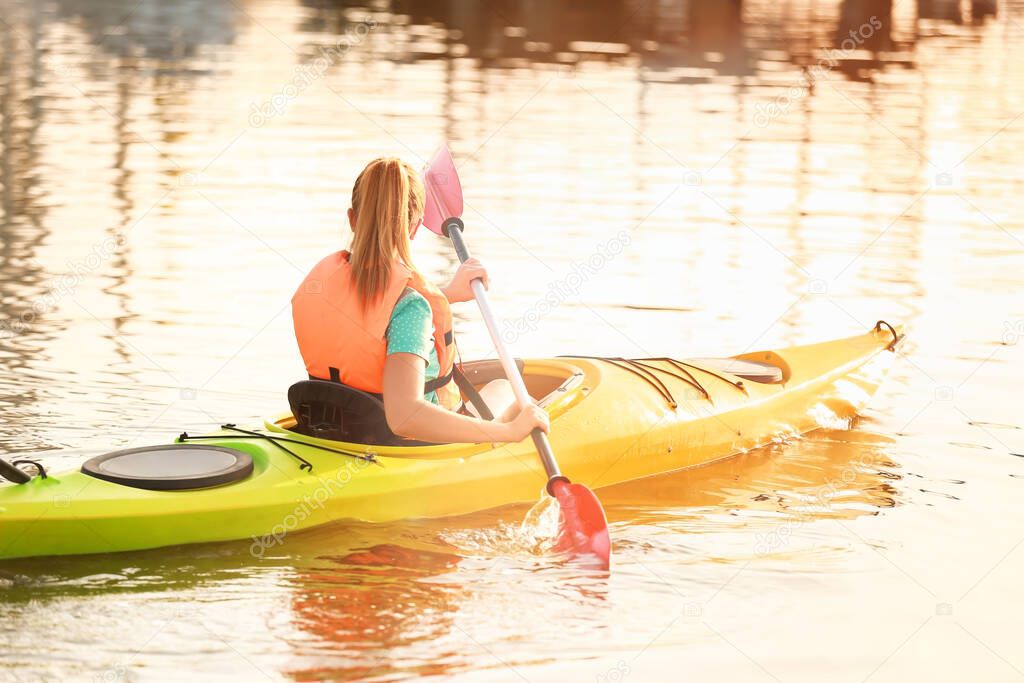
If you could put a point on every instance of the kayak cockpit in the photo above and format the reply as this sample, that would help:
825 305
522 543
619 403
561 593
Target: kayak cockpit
335 412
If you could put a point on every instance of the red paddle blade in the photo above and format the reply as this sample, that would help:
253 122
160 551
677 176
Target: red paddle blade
444 192
583 529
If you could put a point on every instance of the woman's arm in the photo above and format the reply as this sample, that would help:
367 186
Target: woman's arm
411 416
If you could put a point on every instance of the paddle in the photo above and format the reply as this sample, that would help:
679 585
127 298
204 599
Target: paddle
583 529
11 473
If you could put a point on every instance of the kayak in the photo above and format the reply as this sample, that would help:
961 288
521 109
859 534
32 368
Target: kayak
613 420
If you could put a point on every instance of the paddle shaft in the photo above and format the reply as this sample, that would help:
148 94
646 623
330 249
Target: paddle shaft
453 228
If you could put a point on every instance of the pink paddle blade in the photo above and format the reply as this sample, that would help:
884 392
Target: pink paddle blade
444 192
584 529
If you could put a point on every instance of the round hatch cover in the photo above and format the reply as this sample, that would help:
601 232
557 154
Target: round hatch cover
171 467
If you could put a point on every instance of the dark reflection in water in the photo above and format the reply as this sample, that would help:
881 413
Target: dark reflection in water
170 32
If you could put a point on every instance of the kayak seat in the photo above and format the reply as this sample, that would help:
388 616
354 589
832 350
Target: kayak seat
337 412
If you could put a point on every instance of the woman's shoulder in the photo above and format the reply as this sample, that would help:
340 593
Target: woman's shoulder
411 301
410 328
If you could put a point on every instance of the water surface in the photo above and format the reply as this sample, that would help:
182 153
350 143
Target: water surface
170 170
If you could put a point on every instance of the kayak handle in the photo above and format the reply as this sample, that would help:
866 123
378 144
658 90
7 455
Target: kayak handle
452 228
896 337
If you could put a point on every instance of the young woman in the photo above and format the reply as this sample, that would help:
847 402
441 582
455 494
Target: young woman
368 319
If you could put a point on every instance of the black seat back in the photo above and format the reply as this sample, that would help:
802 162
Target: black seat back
329 410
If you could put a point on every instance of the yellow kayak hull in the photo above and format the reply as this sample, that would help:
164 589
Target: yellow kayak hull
610 423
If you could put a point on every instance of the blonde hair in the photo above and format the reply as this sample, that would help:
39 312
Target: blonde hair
387 196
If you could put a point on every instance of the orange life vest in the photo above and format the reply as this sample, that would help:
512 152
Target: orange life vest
340 341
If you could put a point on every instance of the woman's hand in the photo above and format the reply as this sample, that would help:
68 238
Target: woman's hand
533 417
458 289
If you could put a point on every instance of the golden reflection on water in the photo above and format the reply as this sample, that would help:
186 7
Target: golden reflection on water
169 172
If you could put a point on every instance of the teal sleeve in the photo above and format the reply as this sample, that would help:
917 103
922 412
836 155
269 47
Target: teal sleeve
411 329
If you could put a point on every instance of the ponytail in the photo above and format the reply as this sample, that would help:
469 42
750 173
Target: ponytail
387 196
